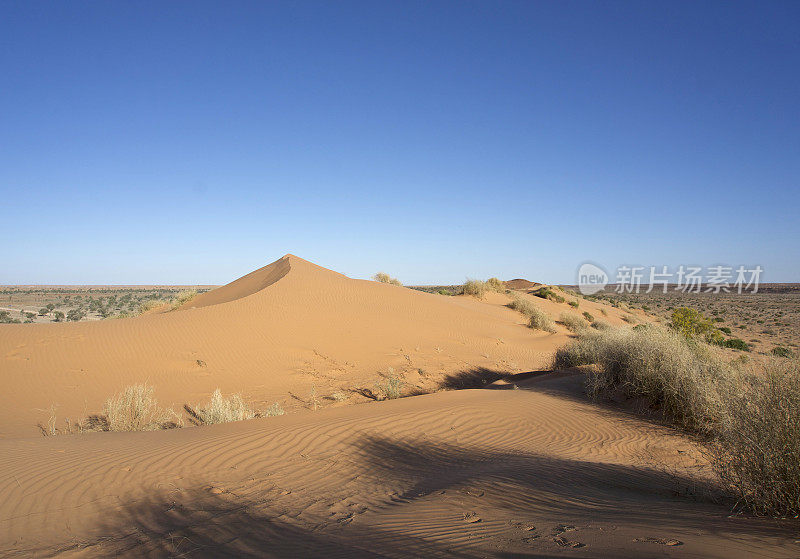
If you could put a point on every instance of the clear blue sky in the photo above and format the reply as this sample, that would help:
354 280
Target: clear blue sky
192 142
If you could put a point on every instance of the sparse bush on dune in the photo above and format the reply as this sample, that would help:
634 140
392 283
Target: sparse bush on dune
476 288
549 293
756 451
587 315
573 322
601 325
540 321
495 285
222 410
183 297
750 417
151 305
386 278
133 409
537 319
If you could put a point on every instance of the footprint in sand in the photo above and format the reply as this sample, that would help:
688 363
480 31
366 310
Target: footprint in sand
660 541
561 528
471 518
563 542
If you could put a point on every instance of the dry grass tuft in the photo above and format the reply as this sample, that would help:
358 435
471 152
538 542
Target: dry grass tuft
495 285
540 321
224 410
133 409
537 319
386 278
573 322
476 288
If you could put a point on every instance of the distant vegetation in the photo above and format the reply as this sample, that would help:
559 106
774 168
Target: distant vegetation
78 304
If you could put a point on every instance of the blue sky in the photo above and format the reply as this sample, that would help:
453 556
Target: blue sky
192 142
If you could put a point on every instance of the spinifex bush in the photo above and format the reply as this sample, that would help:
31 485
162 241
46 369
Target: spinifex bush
757 448
476 288
750 417
573 322
537 319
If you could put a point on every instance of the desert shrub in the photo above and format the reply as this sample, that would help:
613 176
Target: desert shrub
220 410
756 452
588 316
573 322
780 351
548 293
183 297
674 373
386 278
736 343
691 323
574 304
58 316
538 320
604 312
150 305
751 418
601 325
495 285
725 329
521 305
391 386
74 315
43 312
476 288
133 409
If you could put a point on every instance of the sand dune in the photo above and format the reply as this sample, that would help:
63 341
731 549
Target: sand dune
290 327
479 473
533 471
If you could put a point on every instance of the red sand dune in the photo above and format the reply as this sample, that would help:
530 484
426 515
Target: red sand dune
538 471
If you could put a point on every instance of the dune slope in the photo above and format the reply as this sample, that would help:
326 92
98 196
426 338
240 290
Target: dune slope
289 332
535 472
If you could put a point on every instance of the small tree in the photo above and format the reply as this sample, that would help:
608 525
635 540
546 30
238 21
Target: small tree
43 311
59 316
74 315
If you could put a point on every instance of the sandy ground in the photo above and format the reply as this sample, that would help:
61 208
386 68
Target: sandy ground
536 471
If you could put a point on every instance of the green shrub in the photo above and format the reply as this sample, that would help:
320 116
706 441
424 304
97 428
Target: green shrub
587 315
574 304
548 293
601 325
736 343
780 351
725 329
